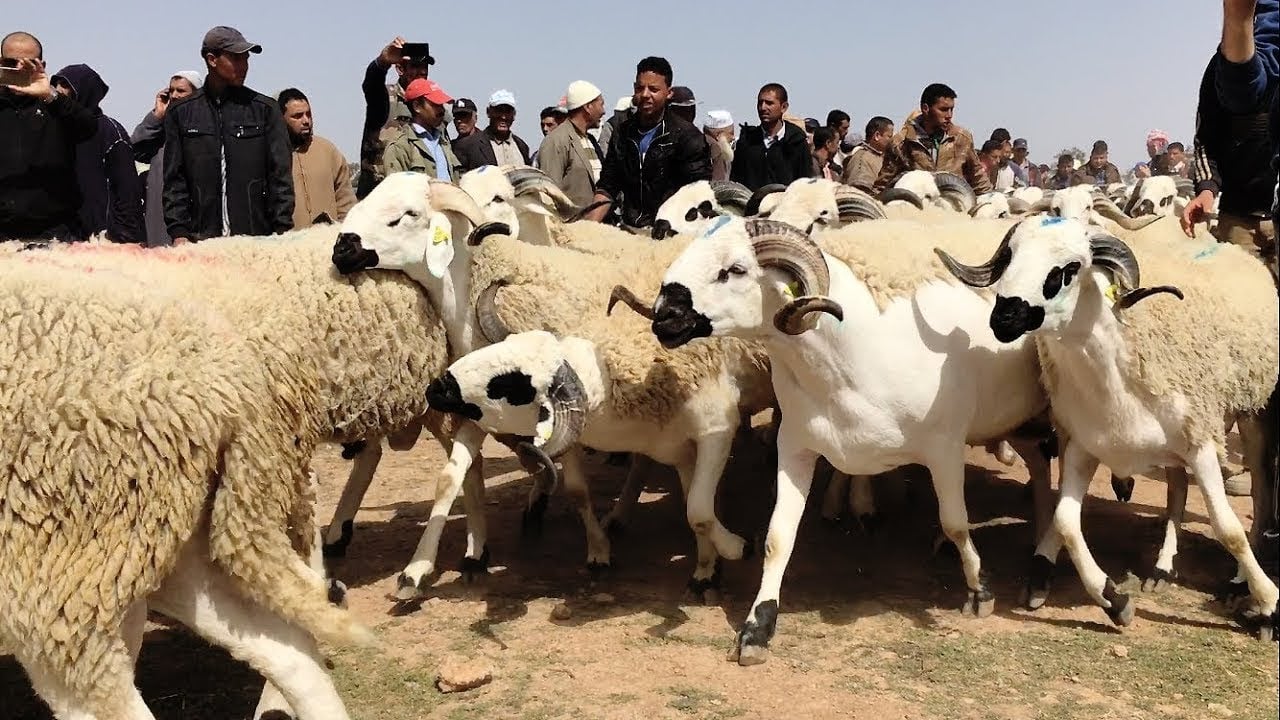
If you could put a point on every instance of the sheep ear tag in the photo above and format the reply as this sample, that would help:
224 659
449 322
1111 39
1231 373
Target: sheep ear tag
439 245
546 424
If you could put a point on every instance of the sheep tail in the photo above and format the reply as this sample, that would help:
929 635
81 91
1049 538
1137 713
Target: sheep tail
250 538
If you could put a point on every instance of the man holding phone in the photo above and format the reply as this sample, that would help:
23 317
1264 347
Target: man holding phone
39 198
386 115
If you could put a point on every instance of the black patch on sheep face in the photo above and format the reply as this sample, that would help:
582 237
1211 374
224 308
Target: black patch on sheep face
1059 278
675 322
1013 317
350 256
662 229
444 395
544 413
515 387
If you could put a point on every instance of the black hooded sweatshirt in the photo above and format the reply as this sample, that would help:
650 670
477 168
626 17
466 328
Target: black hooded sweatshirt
38 191
109 184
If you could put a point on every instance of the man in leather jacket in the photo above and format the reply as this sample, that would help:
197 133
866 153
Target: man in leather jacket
652 154
227 168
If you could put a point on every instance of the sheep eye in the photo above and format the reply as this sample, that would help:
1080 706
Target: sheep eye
691 215
734 269
499 199
407 213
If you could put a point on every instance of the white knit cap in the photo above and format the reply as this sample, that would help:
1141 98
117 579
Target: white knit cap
718 119
624 104
580 93
192 76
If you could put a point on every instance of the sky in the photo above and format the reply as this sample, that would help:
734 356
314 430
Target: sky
1060 74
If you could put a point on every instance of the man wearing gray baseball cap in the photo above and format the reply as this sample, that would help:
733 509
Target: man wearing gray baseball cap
227 168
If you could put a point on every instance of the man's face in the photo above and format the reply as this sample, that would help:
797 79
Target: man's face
230 68
595 112
410 71
1064 167
651 93
939 114
501 118
21 49
842 129
464 121
1006 150
179 88
1176 155
1097 160
63 88
1155 146
427 113
880 140
1020 155
548 124
297 117
770 108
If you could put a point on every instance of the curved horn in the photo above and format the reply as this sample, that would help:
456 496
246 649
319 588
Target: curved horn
1111 254
1132 297
568 410
487 319
731 195
854 205
1186 188
1018 206
957 190
1132 201
985 274
485 229
531 456
890 194
528 181
447 196
621 293
753 204
779 245
1104 206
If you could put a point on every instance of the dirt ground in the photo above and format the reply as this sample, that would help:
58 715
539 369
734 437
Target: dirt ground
869 625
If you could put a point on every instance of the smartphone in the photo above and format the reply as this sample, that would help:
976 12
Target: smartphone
14 76
416 50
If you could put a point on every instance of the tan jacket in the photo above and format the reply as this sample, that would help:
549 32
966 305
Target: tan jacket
862 167
562 157
955 154
406 152
321 183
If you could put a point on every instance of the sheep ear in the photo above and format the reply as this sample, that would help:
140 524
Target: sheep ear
439 252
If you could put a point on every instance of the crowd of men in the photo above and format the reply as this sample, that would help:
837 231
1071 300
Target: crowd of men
223 159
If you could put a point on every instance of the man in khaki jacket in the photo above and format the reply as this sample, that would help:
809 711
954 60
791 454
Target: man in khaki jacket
424 146
862 166
569 155
321 181
932 142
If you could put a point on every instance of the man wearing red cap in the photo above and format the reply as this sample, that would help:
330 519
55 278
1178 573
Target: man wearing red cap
424 146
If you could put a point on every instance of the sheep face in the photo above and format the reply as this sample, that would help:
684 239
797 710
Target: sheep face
992 205
686 212
496 386
1074 203
1153 196
921 183
489 186
806 202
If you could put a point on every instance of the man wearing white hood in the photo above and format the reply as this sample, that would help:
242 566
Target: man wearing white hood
718 128
569 154
148 147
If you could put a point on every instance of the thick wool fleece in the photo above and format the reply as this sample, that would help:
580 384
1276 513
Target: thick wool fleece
894 258
1219 347
565 292
141 412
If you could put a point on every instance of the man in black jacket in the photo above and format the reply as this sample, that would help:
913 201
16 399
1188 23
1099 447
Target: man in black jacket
385 113
496 144
39 131
652 154
228 163
774 151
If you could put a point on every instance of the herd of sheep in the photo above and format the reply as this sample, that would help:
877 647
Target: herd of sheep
170 400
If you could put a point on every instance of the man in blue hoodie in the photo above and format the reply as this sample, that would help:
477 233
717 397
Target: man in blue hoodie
111 191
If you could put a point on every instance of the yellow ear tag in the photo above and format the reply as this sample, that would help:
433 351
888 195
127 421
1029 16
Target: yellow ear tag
1112 291
439 245
791 289
439 236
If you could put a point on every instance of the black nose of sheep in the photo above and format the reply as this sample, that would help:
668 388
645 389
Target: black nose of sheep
444 395
350 256
1013 316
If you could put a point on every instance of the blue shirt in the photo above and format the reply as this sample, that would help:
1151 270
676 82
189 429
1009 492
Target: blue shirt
431 138
646 139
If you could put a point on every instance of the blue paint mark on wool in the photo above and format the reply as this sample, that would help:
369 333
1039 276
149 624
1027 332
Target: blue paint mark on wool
719 223
1050 221
1209 251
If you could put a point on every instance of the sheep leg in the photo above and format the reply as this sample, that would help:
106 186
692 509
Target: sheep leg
947 473
576 488
838 494
200 596
1039 479
338 534
619 516
475 563
1078 467
795 476
700 505
706 571
1227 527
110 692
1175 505
466 447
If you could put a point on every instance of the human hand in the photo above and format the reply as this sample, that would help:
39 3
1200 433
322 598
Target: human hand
1195 212
162 104
38 80
391 54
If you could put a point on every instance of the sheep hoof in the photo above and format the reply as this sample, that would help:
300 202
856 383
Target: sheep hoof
980 603
749 655
1269 629
1038 580
352 449
597 570
338 548
1123 488
1121 610
531 519
1233 592
1160 579
409 589
337 593
475 568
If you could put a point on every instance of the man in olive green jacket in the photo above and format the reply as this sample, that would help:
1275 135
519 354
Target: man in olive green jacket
569 155
424 146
